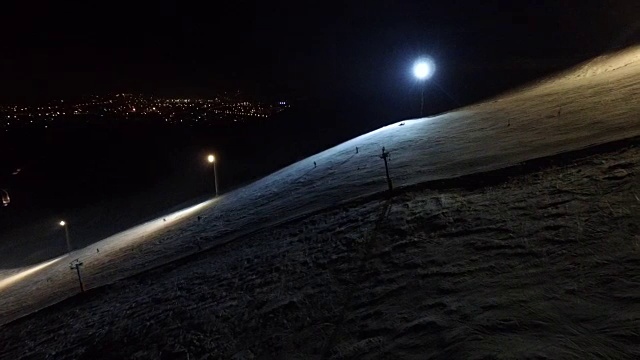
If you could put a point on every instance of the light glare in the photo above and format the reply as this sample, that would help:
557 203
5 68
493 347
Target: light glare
62 223
423 69
211 158
8 281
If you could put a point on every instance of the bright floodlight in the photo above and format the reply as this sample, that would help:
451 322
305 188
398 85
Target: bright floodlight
211 158
423 69
62 223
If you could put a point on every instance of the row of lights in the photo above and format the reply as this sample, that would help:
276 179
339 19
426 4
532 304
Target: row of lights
210 158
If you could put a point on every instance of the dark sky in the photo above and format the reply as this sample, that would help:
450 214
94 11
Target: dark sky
356 50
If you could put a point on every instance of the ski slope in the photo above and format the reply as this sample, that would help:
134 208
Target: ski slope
595 103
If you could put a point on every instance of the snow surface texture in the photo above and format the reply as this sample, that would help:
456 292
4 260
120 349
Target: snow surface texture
542 266
599 103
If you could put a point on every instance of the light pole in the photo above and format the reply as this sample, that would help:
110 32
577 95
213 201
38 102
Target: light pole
422 70
75 265
212 160
66 233
386 156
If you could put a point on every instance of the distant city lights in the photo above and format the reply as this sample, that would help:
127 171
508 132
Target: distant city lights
222 109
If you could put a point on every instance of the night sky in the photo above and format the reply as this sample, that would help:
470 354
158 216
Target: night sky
357 54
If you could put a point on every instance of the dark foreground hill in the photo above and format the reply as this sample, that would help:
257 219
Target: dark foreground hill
545 265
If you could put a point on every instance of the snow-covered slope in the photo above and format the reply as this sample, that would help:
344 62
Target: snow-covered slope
607 63
597 103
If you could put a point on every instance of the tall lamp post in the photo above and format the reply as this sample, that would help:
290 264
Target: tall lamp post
423 69
212 160
66 233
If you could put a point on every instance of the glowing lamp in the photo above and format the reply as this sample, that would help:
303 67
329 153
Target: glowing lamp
423 69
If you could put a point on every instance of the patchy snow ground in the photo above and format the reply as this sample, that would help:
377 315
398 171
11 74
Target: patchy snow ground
569 113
